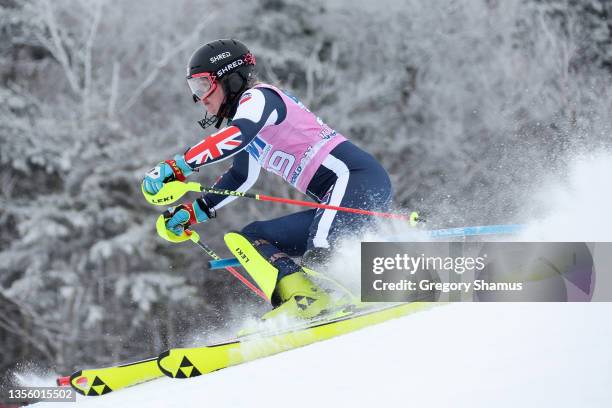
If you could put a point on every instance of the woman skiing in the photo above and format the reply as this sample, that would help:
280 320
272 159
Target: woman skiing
268 128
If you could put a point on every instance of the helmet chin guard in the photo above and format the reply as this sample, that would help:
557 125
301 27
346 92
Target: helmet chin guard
208 121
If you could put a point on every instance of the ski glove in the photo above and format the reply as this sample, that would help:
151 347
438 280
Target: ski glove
164 172
183 216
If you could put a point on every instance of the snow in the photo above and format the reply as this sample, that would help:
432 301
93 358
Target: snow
462 354
576 207
456 355
467 123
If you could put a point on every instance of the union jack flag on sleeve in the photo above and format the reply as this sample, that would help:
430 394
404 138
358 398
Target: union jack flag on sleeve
218 146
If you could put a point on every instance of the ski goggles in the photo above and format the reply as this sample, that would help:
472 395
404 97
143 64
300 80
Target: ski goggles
201 85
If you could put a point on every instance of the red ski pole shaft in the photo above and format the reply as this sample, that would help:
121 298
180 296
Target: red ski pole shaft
247 283
412 217
230 269
236 274
333 207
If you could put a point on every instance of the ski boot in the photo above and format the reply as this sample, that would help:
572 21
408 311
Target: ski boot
294 295
298 297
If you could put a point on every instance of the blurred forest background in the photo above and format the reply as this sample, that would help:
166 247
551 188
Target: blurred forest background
466 103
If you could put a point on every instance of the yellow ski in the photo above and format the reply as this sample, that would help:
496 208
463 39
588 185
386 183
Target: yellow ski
100 381
192 362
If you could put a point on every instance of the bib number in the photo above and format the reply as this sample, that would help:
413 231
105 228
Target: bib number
280 163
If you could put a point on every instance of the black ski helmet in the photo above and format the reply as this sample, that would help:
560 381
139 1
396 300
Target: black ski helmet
230 64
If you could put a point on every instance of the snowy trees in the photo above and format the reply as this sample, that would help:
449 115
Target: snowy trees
82 120
463 103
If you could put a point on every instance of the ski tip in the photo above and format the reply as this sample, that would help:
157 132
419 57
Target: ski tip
75 383
161 368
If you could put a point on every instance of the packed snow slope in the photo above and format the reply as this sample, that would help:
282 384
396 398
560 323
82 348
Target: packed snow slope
457 355
463 354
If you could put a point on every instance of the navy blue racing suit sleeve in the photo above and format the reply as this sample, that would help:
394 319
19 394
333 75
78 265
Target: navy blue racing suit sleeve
257 109
240 177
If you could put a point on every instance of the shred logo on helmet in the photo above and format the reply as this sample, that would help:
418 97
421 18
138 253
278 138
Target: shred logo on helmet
227 63
220 57
229 67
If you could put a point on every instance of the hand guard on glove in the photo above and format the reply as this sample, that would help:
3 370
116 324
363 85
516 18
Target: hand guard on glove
164 172
183 216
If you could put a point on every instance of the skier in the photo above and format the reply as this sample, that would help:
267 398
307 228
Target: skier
271 129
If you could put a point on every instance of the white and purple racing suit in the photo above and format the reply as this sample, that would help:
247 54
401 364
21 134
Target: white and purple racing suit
273 130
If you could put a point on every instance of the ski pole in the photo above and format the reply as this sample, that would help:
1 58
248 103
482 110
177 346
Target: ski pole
456 232
174 190
230 269
193 236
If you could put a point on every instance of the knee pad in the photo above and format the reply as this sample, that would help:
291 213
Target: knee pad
258 267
